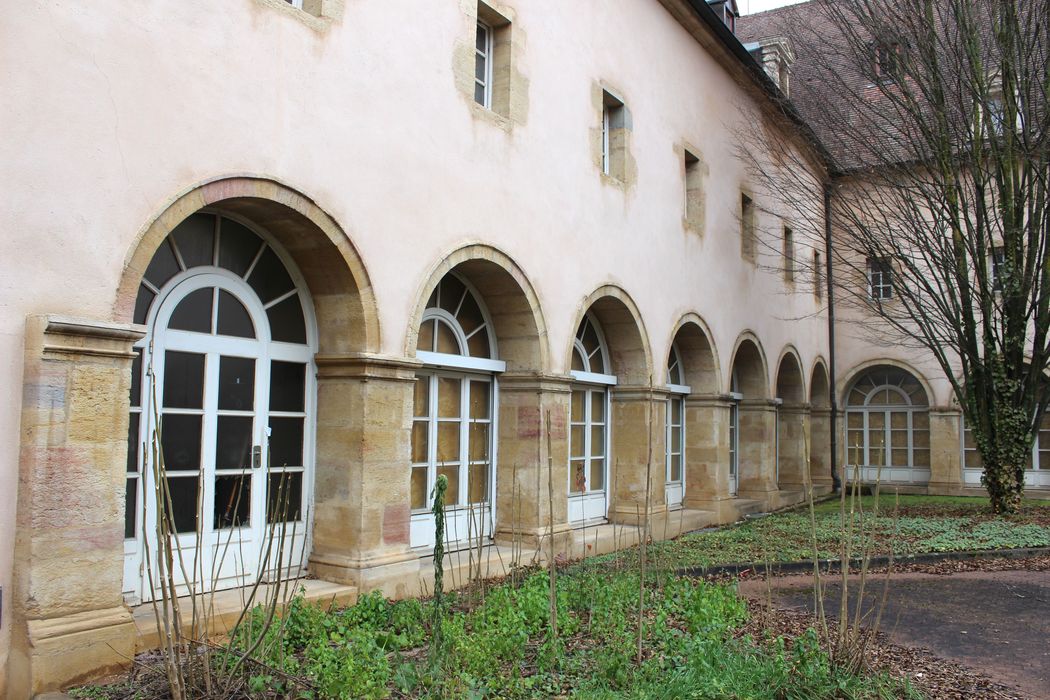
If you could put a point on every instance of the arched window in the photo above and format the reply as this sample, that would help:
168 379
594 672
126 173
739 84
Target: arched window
675 435
735 397
589 423
224 377
888 427
454 414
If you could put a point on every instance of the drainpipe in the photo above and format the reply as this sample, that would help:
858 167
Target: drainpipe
835 482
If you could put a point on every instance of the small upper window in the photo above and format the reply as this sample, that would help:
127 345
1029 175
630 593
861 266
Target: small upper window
789 254
747 227
694 190
889 60
614 136
880 279
483 65
818 276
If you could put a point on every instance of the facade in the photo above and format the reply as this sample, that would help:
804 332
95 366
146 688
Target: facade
314 255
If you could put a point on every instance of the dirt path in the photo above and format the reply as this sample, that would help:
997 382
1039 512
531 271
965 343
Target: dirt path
996 622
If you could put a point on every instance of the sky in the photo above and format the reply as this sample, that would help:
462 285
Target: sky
748 7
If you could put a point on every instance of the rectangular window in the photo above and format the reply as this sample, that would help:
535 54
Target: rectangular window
747 227
614 137
880 279
818 275
295 3
998 258
789 254
694 191
483 65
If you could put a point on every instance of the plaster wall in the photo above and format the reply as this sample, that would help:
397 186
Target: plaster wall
111 111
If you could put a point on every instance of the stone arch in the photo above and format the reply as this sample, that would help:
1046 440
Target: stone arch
512 303
749 366
790 382
850 378
819 385
820 461
699 355
334 273
625 334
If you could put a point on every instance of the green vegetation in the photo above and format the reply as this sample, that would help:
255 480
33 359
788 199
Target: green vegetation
501 647
925 524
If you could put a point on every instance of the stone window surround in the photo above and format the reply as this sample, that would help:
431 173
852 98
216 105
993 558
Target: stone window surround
315 14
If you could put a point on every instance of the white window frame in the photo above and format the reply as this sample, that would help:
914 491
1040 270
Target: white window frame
297 4
484 55
886 472
883 290
1036 477
591 505
675 488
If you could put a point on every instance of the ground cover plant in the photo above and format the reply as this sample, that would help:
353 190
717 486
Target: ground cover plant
500 646
925 524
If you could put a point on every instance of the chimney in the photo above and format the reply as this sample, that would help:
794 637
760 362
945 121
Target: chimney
775 56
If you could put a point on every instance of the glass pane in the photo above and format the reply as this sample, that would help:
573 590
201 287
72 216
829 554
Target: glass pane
449 397
183 380
237 247
973 459
286 442
676 439
479 441
233 317
142 303
448 442
131 507
597 440
1044 439
233 442
425 341
136 379
284 497
479 94
469 315
876 421
163 266
269 277
598 406
195 238
446 339
419 488
133 442
876 457
876 438
577 361
578 397
920 438
899 457
855 420
236 383
597 475
194 312
478 344
898 438
421 397
855 455
451 472
287 323
233 501
676 411
590 342
898 420
576 441
181 442
676 467
478 483
450 293
287 386
419 441
921 458
183 493
578 476
479 400
968 441
482 38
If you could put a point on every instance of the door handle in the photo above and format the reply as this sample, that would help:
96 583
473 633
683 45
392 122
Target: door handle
256 456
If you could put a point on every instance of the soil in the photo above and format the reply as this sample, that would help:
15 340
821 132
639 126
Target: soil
958 629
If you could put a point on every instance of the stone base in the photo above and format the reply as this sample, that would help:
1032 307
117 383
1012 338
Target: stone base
395 575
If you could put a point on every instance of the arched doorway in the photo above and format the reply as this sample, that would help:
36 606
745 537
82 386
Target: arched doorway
887 427
223 394
674 439
589 423
453 415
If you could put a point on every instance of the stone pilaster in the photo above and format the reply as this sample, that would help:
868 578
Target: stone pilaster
70 517
638 449
706 452
794 427
361 485
820 446
945 451
757 478
532 478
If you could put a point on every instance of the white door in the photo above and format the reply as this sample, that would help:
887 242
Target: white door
675 440
588 450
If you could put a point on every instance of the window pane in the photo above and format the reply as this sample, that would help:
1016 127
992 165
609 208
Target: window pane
181 442
920 438
448 442
876 421
482 37
597 440
236 383
421 397
269 277
286 442
131 507
676 439
899 438
855 420
920 421
598 406
451 472
479 441
451 292
576 441
143 301
183 380
419 488
478 483
163 266
195 238
578 397
136 379
233 501
183 490
287 386
578 476
284 497
194 312
425 341
287 323
469 315
233 442
597 475
237 247
133 442
446 339
676 411
479 94
921 458
234 319
676 467
479 400
449 397
577 361
419 441
478 344
899 457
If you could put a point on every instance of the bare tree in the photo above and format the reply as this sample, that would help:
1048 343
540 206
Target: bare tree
933 118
